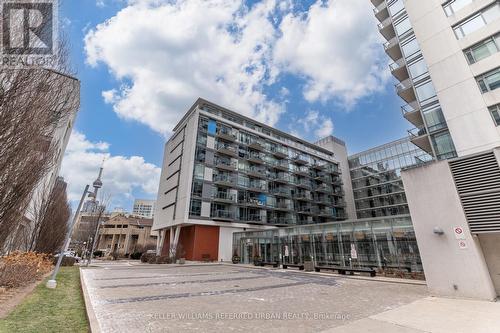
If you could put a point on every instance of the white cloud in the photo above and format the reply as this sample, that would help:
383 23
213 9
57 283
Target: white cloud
312 124
168 53
336 47
325 129
121 176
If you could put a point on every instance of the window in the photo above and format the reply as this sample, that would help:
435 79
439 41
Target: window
489 81
199 171
396 7
478 21
197 188
410 48
195 208
451 7
425 91
434 119
417 69
483 49
495 113
443 145
403 26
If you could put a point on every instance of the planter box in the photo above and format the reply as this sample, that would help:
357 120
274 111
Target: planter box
308 266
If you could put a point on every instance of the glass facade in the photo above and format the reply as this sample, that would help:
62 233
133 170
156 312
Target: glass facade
385 243
261 178
376 178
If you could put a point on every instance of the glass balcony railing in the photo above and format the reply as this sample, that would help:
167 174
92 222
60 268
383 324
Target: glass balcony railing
281 191
223 178
280 164
226 164
227 133
224 196
222 214
279 150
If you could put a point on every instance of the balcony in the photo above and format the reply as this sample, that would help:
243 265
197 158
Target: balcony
226 165
283 178
256 172
405 91
281 221
393 49
399 69
381 12
301 171
279 151
226 134
226 149
257 187
303 196
252 218
302 183
255 158
280 165
281 192
339 203
300 159
222 215
420 138
283 206
222 179
386 29
377 3
318 165
323 188
324 212
224 197
306 209
251 201
338 192
257 145
332 168
412 113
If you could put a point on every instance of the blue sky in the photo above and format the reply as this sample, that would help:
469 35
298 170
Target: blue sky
306 67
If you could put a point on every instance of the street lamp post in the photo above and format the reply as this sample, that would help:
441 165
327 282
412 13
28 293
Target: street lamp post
52 283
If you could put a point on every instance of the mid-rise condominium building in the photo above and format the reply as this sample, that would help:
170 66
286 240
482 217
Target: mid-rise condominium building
144 208
223 172
447 60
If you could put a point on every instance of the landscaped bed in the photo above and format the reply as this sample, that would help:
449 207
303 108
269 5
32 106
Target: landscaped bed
51 310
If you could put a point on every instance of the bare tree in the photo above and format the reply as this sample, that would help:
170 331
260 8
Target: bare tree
54 224
35 104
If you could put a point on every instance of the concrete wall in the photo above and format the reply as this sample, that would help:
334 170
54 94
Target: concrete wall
226 243
174 192
449 269
464 107
490 243
340 151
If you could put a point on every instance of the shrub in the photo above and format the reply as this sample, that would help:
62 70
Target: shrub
145 257
66 261
163 260
136 255
98 253
20 268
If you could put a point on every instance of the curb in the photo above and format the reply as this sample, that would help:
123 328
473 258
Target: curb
93 323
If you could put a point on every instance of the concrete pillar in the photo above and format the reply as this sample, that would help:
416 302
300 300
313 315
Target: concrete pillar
127 241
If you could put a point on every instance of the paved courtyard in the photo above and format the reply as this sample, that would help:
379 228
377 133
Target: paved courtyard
132 297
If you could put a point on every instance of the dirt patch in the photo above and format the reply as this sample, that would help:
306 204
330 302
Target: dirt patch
11 297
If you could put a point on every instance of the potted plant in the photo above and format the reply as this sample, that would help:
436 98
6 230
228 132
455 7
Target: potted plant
257 261
236 258
308 263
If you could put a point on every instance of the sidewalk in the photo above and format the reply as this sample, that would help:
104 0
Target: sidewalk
431 314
